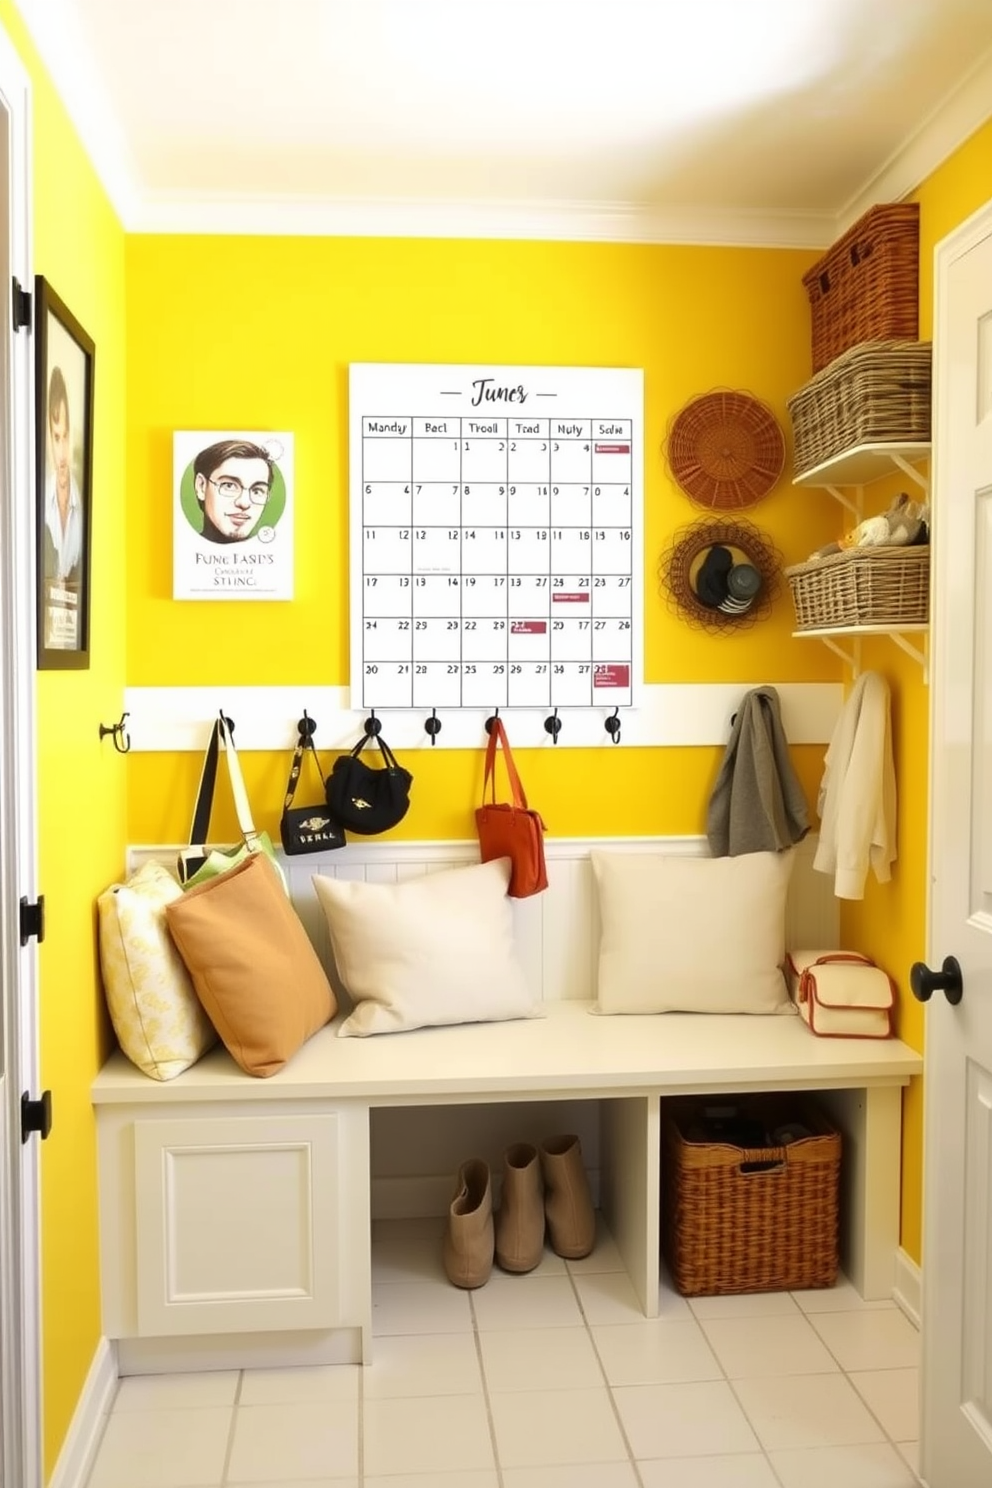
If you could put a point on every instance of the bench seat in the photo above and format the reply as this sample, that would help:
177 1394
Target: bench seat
570 1051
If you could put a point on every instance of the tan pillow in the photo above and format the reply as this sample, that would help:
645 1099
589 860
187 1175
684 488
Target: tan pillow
431 950
696 935
158 1019
253 967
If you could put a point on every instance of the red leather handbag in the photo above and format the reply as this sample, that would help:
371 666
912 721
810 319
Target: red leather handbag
510 830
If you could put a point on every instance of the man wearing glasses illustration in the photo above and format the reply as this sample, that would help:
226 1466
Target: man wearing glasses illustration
232 480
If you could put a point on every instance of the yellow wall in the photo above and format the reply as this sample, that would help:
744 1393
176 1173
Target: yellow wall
259 332
891 922
79 247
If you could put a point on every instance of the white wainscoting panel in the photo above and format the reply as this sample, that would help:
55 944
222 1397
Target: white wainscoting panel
557 932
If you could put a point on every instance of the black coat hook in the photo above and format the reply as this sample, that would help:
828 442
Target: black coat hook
490 721
372 725
119 734
612 725
307 727
552 726
433 726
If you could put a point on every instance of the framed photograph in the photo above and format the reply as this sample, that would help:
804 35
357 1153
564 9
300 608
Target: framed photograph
232 514
64 416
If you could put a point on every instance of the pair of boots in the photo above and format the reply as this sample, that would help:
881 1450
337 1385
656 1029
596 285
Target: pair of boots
549 1185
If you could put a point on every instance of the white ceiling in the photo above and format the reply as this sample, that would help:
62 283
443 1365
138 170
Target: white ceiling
706 120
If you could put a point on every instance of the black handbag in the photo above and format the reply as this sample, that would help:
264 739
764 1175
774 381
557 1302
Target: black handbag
364 799
307 829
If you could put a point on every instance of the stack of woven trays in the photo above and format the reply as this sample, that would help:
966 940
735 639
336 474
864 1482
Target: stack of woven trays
887 586
878 392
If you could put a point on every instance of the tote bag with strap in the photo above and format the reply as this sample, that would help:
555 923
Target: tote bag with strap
199 861
307 829
510 830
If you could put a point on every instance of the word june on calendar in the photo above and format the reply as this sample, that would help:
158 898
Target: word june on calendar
496 536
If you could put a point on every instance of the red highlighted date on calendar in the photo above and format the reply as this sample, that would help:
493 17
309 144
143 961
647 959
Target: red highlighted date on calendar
496 542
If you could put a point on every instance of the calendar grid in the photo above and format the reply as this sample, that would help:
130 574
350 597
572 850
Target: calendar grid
496 557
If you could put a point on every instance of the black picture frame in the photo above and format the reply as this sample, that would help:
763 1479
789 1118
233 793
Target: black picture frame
65 359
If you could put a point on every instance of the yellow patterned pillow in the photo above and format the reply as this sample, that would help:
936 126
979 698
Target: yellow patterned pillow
157 1016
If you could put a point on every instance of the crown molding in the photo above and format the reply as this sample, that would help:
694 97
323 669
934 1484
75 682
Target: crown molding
571 221
54 29
964 110
64 50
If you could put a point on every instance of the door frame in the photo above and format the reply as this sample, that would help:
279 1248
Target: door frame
20 1258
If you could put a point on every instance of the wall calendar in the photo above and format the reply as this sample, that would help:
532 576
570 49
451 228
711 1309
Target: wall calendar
496 536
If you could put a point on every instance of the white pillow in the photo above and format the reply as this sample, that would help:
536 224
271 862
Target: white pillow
698 935
430 950
158 1018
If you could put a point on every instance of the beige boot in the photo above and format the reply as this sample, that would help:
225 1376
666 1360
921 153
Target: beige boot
468 1244
520 1221
567 1200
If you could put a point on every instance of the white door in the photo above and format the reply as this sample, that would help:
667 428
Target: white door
956 1445
20 1408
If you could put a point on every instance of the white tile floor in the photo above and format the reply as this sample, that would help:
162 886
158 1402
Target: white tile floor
552 1380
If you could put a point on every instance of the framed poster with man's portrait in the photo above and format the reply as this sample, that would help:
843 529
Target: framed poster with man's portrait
232 529
64 366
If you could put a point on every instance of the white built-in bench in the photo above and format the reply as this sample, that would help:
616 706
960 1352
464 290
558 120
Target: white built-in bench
236 1212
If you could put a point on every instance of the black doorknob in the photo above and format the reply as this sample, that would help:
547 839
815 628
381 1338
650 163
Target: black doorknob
925 982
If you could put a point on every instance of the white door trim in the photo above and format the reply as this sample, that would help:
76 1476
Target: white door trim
942 1252
18 971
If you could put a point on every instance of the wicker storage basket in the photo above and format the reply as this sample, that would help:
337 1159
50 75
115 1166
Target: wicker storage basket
750 1220
866 287
866 586
879 392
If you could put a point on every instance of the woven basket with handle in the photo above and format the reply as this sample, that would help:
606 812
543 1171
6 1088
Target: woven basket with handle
750 1220
866 287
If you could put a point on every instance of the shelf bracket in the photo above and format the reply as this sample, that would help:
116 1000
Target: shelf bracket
912 472
852 506
918 653
852 657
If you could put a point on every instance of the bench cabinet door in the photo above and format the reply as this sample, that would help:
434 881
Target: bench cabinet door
237 1224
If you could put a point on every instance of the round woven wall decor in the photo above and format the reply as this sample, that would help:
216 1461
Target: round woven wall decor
679 568
726 450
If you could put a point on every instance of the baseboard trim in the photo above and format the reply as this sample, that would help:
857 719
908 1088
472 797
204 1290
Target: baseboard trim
190 1355
82 1440
908 1290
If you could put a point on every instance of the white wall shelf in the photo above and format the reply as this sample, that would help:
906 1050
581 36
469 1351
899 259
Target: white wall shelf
856 468
862 464
897 634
